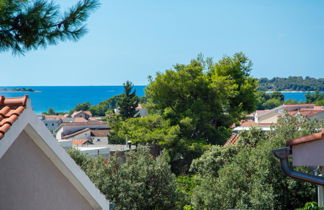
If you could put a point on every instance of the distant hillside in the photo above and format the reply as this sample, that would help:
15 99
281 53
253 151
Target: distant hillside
291 84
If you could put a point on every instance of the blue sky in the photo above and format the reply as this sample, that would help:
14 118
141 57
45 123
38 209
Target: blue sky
129 40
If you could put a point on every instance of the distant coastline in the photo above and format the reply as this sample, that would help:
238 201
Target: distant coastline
288 91
18 90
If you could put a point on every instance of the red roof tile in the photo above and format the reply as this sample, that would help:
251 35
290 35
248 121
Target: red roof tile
79 119
82 123
99 132
251 123
79 141
10 109
305 139
233 139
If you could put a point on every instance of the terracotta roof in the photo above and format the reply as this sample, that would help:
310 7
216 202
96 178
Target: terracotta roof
79 141
251 123
294 105
306 112
76 133
10 109
233 139
305 139
82 123
99 132
86 112
79 119
318 107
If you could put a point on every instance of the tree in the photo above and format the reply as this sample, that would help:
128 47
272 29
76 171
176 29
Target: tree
30 24
204 98
142 182
128 101
51 111
253 179
82 107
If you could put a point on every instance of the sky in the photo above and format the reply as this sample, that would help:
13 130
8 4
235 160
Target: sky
130 40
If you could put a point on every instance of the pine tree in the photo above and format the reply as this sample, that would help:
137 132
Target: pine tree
30 24
128 102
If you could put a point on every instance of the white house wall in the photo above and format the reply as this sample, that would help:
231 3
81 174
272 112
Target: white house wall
29 180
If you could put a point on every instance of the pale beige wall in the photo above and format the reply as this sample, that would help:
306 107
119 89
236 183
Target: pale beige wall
309 154
29 181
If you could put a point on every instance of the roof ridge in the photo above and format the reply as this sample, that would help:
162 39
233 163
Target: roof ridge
307 138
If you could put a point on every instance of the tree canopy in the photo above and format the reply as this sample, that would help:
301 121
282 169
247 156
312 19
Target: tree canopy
142 182
204 98
248 176
30 24
128 101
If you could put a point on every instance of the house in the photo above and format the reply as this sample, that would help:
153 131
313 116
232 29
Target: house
266 119
308 150
52 122
69 128
35 172
141 111
95 136
82 114
308 110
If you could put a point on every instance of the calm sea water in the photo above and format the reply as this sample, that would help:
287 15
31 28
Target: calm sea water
65 98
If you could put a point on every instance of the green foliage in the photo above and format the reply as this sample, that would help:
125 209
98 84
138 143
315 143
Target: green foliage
128 101
30 24
311 206
142 182
51 111
291 83
269 100
213 159
185 186
84 107
253 179
291 101
204 98
152 129
101 108
315 97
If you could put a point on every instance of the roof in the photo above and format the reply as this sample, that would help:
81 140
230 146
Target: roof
233 139
79 141
250 123
86 112
306 112
305 139
17 116
298 105
10 109
79 119
94 132
53 117
99 132
76 133
82 123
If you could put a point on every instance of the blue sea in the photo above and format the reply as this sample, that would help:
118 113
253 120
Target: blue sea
65 98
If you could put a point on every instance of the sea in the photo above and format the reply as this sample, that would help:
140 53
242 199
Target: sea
65 98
